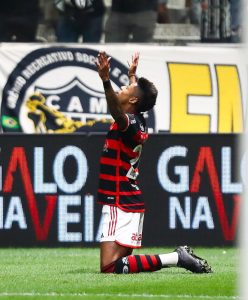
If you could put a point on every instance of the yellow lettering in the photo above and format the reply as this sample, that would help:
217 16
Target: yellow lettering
188 80
230 118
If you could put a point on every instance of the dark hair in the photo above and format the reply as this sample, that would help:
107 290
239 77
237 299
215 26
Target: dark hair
148 95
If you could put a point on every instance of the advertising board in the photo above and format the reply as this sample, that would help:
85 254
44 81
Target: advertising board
192 186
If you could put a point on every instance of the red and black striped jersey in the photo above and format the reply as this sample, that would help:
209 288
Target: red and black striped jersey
119 165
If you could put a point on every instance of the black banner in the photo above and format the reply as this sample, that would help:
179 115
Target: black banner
48 183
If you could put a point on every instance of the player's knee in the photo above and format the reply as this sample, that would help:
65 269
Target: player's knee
108 268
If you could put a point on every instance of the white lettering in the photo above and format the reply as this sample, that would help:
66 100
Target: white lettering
124 79
226 169
15 214
203 214
181 171
82 169
64 218
75 105
83 57
98 105
116 72
50 101
176 210
88 218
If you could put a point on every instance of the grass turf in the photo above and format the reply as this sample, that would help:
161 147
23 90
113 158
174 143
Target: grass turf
71 273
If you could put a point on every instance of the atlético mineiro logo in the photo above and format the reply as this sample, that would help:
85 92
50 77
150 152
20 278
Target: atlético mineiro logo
72 94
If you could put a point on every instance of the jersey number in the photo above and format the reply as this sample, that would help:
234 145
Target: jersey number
133 171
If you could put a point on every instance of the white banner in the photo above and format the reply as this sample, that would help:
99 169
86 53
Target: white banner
201 89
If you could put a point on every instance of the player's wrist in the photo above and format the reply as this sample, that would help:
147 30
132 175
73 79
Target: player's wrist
131 75
105 78
106 83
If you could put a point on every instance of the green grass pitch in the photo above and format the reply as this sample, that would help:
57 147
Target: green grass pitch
73 273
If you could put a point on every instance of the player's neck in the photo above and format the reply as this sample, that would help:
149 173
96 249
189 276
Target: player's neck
129 109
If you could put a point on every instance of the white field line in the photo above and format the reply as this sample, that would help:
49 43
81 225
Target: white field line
148 296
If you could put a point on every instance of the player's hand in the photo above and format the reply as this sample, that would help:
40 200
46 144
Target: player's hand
103 65
133 67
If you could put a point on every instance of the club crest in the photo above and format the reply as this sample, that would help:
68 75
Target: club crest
58 90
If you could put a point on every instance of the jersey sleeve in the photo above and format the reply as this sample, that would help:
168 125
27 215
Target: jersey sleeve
135 131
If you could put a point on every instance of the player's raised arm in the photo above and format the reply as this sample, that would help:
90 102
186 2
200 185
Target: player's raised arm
103 68
133 67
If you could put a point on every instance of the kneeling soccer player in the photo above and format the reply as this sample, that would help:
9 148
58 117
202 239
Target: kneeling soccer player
123 208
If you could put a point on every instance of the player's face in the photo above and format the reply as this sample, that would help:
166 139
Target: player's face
127 92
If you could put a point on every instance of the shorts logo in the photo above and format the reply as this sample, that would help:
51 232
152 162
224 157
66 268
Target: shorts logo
72 90
136 237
